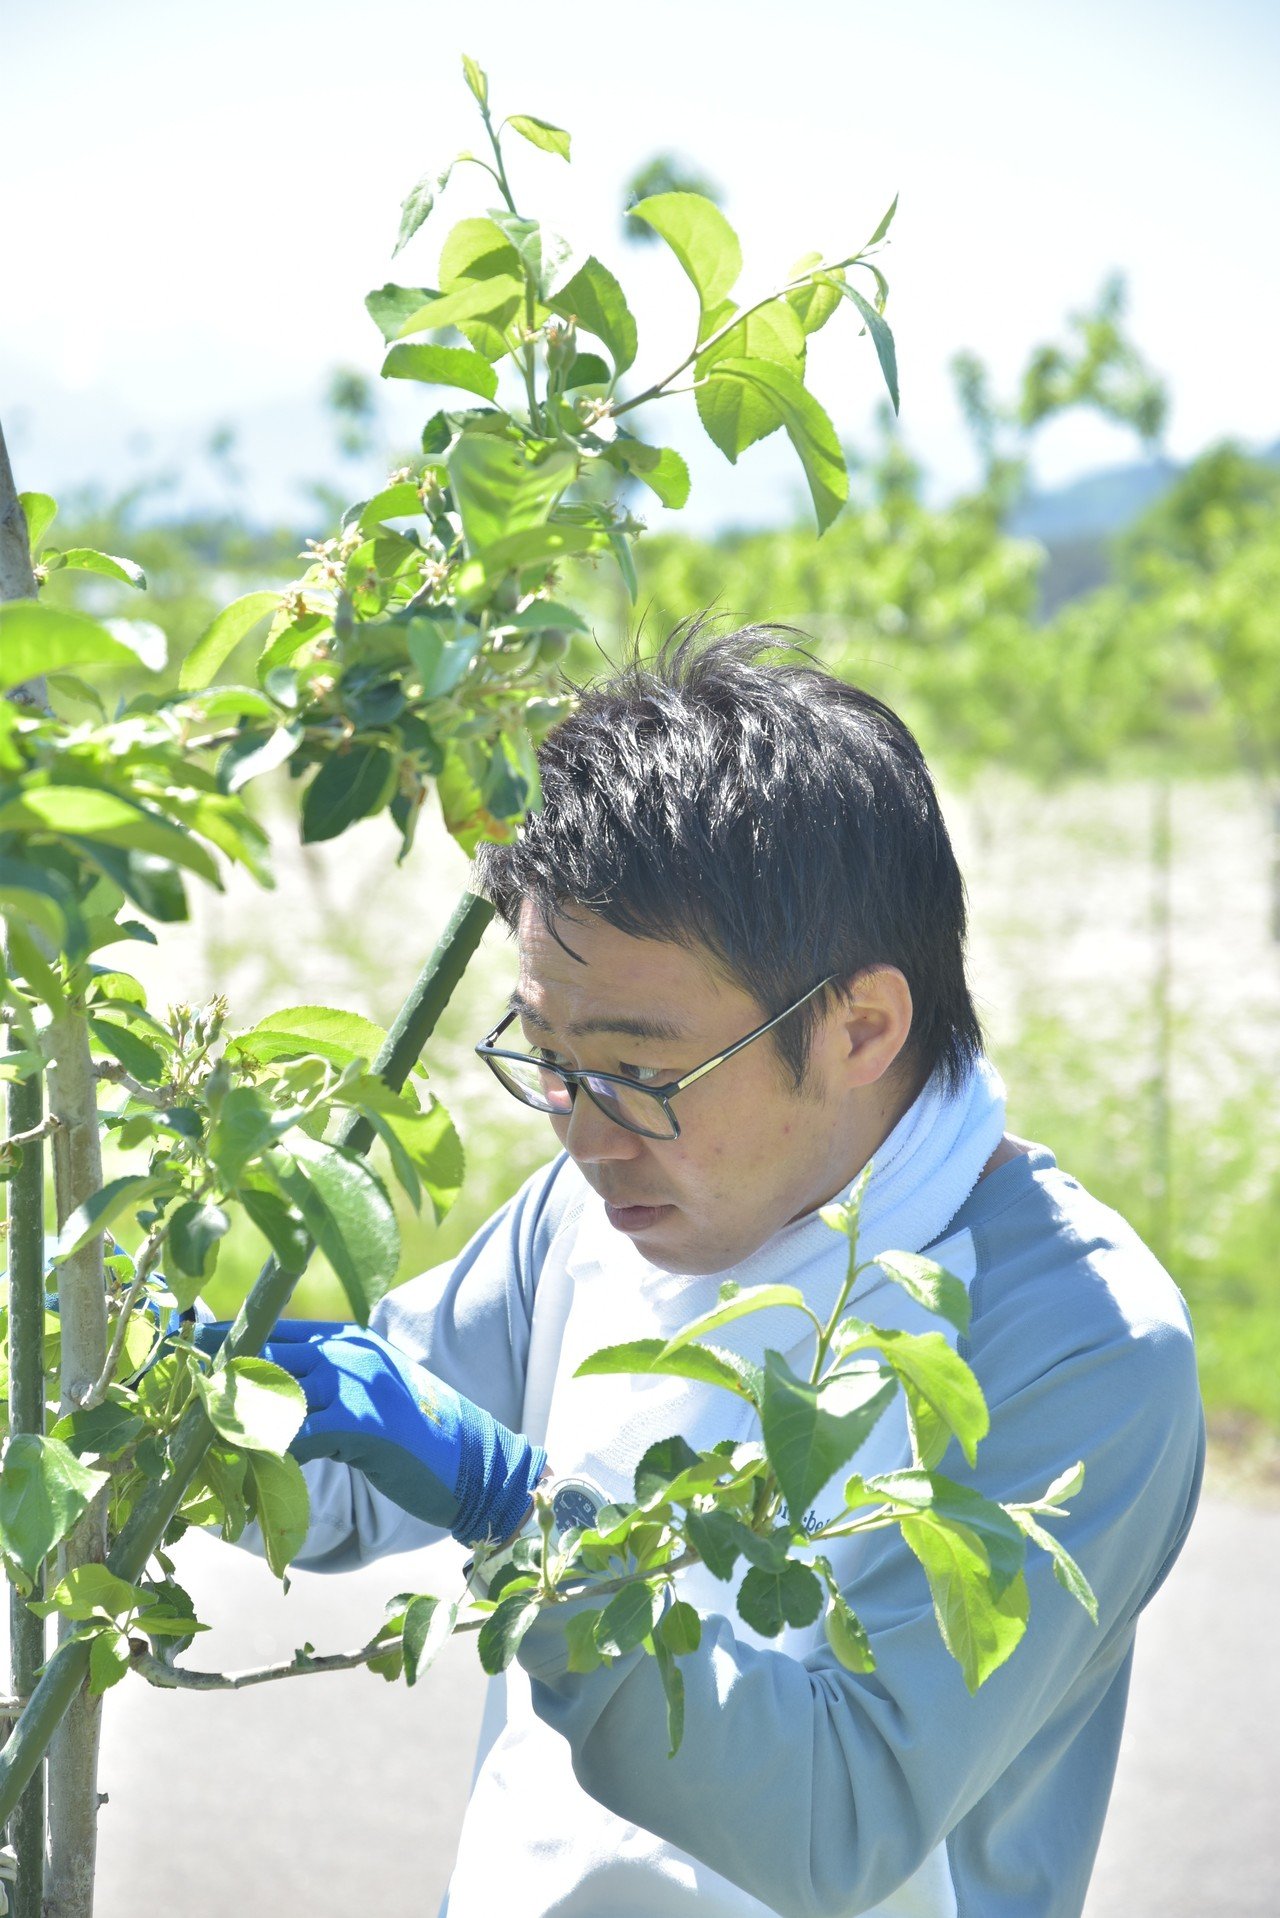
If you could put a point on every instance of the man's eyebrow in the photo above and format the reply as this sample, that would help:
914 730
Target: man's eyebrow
628 1028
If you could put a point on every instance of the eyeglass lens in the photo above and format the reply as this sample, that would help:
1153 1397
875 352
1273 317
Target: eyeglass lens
542 1087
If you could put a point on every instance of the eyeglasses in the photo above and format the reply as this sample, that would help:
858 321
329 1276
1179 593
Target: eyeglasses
643 1109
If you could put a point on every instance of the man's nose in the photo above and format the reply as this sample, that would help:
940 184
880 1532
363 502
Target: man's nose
591 1136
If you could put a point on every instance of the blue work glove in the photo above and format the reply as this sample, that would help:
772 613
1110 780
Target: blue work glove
425 1446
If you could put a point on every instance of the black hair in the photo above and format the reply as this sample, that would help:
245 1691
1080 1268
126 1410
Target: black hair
775 816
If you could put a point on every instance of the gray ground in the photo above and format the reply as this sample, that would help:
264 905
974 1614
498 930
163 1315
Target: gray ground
342 1794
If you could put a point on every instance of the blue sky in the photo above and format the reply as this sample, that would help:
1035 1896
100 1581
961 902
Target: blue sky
203 197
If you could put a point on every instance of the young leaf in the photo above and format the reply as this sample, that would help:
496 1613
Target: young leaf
580 1639
884 225
86 559
280 1226
425 1151
91 1588
501 489
349 1216
540 133
441 366
108 1660
281 1507
944 1398
808 428
989 1524
846 1636
349 786
427 1624
101 1210
673 1690
1065 1569
734 412
390 306
628 1618
811 1431
680 1628
101 1431
752 1298
222 636
253 1404
878 327
813 304
789 1594
706 1363
500 1635
494 300
718 1538
476 78
594 299
664 1460
36 638
293 1032
44 1490
143 1061
40 511
417 205
702 240
929 1284
195 1228
980 1624
661 468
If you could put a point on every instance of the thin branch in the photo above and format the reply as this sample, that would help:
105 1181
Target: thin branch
147 1257
114 1073
173 1678
42 1131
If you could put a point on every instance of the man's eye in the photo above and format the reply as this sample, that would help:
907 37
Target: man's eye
645 1075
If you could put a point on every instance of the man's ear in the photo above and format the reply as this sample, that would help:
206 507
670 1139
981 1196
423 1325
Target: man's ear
867 1028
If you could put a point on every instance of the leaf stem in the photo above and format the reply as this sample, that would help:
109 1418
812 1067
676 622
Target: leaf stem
147 1256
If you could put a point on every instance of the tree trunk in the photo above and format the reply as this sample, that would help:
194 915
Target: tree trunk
82 1304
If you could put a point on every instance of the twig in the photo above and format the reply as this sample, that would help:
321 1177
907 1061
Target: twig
42 1131
173 1678
147 1257
115 1074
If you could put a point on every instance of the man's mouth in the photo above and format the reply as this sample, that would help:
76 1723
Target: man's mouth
634 1218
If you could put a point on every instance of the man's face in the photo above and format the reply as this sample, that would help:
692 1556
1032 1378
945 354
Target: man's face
753 1152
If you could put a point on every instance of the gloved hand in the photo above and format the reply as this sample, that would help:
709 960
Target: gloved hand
425 1446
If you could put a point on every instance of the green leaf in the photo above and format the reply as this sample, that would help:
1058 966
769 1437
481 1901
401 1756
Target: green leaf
500 1635
702 240
256 753
40 511
45 900
1066 1485
944 1398
1065 1569
195 1229
718 1538
673 1690
594 299
541 133
253 1404
427 1625
349 1216
814 304
810 1432
661 468
425 1149
628 1618
101 1431
878 327
808 428
295 1032
245 1125
884 225
280 1226
91 1588
541 252
36 639
477 249
929 1284
680 1628
101 1210
495 300
34 971
349 786
417 205
476 78
751 1298
281 1507
44 1490
846 1636
442 366
980 1623
580 1640
109 1660
663 1461
86 559
390 306
150 882
541 547
502 489
770 1598
735 413
100 814
706 1363
143 1061
588 369
222 636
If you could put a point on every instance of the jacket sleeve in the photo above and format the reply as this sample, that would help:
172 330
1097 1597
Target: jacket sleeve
819 1790
468 1322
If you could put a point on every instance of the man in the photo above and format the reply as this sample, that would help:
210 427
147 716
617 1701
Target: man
740 929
